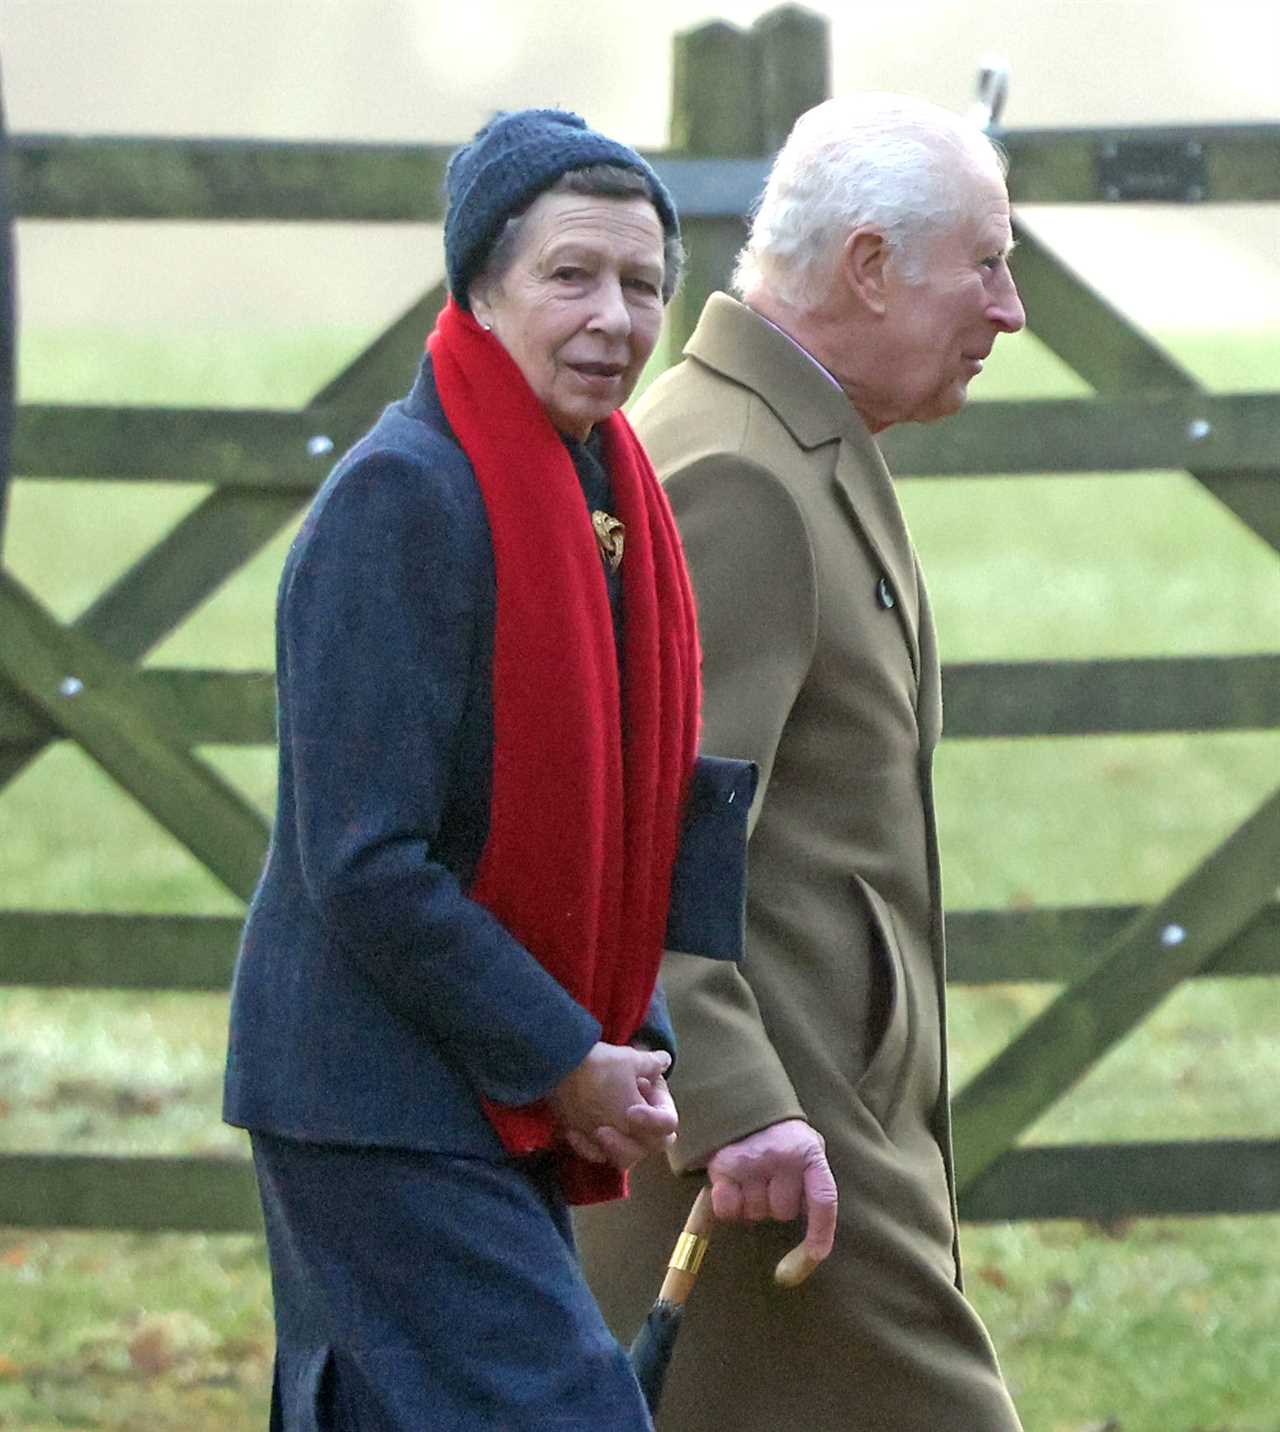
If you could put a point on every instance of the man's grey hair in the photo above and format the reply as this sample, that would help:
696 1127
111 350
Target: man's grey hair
897 164
596 181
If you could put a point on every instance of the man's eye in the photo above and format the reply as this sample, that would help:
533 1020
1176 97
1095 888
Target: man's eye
567 272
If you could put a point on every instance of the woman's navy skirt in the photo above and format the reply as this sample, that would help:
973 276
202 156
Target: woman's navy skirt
428 1293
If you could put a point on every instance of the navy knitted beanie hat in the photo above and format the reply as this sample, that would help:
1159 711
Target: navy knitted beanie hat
517 155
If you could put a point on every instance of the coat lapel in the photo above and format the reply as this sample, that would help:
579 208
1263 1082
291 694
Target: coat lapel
749 350
867 490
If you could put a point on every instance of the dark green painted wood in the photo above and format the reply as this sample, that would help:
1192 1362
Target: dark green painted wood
188 952
1077 698
1251 496
107 951
233 447
1061 166
118 177
715 92
1087 332
1144 963
96 177
1095 1182
1114 1181
984 700
793 65
1110 353
269 451
1061 945
715 110
97 710
386 368
232 708
8 320
145 603
147 1195
1096 436
227 708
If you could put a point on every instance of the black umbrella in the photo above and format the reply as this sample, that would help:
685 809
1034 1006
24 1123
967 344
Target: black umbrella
653 1345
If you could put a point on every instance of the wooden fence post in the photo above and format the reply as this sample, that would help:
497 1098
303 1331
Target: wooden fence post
713 112
8 317
736 93
794 67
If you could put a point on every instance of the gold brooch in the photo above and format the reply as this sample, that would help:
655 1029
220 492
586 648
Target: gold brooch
610 534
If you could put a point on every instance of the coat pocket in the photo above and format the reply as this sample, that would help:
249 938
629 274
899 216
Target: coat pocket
879 1088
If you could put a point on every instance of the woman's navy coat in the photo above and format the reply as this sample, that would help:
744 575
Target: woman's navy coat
373 1001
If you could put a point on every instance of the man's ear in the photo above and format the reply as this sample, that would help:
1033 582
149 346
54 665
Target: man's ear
864 261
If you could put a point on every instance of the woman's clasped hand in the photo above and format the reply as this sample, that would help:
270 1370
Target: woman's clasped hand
615 1107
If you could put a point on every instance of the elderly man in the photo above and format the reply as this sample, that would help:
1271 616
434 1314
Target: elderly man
873 286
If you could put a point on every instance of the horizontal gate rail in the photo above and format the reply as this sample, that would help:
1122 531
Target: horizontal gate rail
1146 961
70 949
147 1195
994 699
984 700
1110 1181
147 177
87 694
1091 1181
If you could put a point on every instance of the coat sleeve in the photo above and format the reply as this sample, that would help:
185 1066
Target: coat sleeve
752 567
377 646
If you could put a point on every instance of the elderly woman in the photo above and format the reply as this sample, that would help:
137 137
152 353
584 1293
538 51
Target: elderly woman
444 1025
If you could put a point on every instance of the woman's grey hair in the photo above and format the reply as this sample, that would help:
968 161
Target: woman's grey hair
596 181
898 164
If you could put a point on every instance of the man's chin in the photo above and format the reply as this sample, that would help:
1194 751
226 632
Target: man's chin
945 405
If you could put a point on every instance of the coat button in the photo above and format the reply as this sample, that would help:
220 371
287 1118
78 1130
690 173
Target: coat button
884 594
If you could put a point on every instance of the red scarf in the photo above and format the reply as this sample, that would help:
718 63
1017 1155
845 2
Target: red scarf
588 781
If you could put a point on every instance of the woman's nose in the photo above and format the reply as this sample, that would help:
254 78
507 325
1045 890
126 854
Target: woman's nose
612 315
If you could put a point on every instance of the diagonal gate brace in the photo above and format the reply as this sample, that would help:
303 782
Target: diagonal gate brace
1144 963
91 698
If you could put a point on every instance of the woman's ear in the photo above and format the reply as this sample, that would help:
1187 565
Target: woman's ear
864 262
480 302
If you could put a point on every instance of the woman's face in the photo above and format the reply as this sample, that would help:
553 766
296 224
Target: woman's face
580 304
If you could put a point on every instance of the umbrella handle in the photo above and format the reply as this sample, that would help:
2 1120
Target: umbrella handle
687 1255
794 1267
686 1258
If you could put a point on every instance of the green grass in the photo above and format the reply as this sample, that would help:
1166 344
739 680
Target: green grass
1162 1326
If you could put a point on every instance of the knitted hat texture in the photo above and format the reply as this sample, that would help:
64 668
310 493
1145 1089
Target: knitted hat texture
504 168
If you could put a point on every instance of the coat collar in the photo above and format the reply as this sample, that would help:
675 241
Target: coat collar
748 350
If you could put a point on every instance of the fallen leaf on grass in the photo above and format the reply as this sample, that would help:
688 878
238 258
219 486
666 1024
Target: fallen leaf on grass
8 1368
16 1256
996 1277
163 1342
151 1350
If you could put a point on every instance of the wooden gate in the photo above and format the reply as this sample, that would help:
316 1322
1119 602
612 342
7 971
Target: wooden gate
736 94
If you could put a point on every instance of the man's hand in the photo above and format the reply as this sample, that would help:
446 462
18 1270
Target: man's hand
778 1173
615 1107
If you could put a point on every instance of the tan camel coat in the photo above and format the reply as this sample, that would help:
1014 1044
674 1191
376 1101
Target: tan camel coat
820 664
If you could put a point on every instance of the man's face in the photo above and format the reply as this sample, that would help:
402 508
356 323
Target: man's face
936 332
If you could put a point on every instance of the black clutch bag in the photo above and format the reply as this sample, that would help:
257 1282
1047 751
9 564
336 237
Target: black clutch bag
707 915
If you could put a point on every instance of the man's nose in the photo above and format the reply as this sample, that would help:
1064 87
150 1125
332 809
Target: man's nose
1007 311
